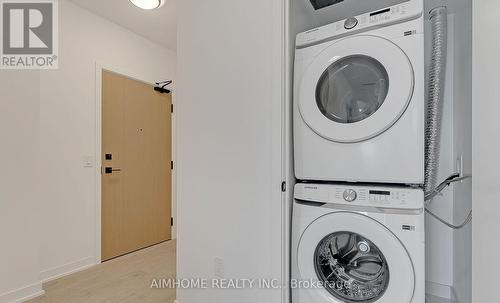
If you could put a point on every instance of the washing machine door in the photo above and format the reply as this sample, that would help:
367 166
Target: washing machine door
348 257
356 89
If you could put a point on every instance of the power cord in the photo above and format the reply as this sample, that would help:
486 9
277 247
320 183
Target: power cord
431 195
456 227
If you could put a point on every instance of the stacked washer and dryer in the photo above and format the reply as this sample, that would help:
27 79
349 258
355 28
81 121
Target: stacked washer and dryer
359 115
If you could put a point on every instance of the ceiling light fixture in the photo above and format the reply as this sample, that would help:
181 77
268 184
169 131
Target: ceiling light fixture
148 4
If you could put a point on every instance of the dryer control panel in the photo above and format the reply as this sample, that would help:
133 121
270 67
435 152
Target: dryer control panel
391 15
361 196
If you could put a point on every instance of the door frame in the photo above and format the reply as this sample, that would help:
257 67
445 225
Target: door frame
99 68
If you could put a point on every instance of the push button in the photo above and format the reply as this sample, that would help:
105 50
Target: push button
350 23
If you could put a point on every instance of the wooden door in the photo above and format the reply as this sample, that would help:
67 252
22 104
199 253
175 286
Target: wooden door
136 146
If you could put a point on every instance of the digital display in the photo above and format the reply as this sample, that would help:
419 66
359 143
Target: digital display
380 192
380 12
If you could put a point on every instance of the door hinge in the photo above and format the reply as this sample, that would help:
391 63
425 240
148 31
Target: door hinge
283 186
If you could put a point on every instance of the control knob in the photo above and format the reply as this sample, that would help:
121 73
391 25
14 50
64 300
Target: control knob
350 195
350 23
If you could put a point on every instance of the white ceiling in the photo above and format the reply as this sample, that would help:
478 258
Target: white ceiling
159 25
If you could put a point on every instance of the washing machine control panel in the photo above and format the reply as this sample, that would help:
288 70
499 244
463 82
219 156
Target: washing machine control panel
390 15
378 197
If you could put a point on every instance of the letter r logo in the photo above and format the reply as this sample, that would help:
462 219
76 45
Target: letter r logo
27 28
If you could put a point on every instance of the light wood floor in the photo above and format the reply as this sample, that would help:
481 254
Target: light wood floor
123 280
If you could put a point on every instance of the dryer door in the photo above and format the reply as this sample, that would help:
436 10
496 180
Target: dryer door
356 89
354 259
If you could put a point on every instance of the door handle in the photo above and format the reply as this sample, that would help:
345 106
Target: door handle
110 170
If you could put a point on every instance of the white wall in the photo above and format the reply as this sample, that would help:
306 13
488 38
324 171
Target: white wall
47 126
230 92
486 151
448 252
462 135
68 129
439 238
19 202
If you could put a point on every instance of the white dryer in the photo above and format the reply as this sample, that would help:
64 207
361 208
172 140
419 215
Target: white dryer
358 244
359 98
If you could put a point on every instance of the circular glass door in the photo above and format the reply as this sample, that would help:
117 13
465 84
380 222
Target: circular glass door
355 89
351 267
355 259
352 89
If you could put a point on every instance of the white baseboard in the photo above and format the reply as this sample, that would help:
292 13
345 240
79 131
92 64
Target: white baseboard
439 290
67 269
23 294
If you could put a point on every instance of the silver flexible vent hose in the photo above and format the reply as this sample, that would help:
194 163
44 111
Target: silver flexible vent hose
437 75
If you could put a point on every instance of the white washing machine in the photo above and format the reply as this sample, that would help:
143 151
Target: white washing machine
358 244
359 98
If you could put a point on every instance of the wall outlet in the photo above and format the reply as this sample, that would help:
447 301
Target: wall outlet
219 267
460 165
88 161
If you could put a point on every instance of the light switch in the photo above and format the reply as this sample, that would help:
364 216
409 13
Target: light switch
88 161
